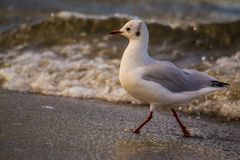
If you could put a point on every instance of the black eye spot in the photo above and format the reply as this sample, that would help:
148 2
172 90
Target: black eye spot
128 29
138 34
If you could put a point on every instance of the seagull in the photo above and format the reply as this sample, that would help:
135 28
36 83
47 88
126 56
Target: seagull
158 83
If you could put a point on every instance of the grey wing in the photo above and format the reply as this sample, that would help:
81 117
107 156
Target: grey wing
175 79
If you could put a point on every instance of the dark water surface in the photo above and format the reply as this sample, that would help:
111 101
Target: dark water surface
182 9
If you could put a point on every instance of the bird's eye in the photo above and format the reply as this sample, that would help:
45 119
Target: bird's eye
128 29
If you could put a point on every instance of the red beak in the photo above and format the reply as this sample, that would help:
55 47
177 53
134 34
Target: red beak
116 32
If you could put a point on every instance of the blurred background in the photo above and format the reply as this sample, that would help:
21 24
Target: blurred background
62 47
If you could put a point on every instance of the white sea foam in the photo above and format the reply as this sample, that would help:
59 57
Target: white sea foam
68 15
227 102
75 76
68 72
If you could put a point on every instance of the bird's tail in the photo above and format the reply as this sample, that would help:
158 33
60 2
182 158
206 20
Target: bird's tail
219 84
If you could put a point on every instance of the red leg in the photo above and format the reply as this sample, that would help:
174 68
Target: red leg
137 130
186 133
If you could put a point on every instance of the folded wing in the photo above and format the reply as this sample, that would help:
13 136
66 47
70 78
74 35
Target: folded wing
175 79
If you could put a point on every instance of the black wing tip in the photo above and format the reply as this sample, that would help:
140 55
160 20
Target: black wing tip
219 84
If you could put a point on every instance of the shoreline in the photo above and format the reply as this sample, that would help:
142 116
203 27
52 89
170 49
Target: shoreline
200 115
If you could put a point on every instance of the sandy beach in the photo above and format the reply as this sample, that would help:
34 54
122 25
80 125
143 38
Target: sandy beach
46 127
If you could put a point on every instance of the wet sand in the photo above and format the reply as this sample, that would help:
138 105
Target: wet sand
45 127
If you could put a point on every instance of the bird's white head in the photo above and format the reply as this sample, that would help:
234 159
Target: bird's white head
133 30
